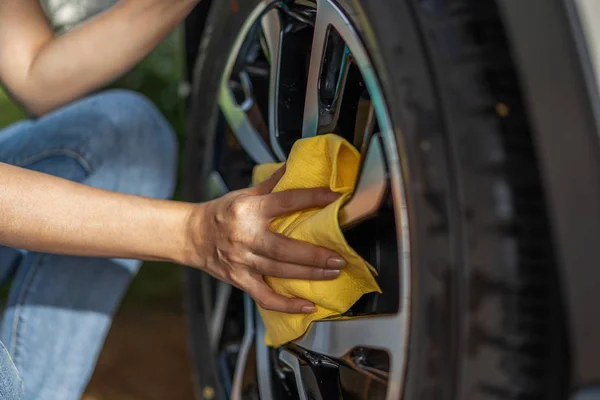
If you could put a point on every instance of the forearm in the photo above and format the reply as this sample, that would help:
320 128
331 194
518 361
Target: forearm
43 213
66 67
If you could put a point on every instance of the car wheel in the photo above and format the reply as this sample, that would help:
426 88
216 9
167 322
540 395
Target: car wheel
456 221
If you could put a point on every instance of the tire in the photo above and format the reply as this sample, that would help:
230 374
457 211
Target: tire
487 317
193 29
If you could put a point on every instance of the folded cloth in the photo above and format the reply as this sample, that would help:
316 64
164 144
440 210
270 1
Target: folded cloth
320 161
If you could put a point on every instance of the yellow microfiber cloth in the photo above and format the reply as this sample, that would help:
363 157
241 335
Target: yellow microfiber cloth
320 161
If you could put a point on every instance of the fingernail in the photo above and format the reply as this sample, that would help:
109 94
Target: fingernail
331 273
336 262
309 309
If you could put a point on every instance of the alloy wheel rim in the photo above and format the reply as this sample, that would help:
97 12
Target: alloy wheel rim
336 341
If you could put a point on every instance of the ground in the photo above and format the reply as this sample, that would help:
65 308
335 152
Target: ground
145 356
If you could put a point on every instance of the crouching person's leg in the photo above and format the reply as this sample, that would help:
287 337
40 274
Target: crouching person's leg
60 308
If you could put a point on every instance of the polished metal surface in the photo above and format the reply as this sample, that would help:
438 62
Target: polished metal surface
271 26
337 338
380 172
242 359
236 117
216 186
220 311
292 361
263 363
588 12
329 17
370 188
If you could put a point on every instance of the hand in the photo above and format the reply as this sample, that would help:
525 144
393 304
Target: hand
232 242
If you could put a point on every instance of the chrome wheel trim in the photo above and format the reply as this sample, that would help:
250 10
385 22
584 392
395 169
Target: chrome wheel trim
271 26
332 338
235 113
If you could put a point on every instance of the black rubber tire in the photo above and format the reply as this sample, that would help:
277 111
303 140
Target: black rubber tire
192 31
487 320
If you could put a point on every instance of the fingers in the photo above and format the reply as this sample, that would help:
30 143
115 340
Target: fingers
269 267
268 299
275 204
291 251
268 185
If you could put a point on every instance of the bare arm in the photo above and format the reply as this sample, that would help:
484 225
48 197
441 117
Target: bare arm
45 72
48 214
228 237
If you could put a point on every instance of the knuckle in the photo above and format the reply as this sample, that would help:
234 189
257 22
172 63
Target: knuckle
286 200
238 258
318 274
324 196
266 304
276 251
303 273
264 267
247 259
259 242
318 255
243 239
271 268
241 207
318 196
277 270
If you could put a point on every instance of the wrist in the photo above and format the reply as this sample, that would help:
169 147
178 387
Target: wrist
172 241
191 253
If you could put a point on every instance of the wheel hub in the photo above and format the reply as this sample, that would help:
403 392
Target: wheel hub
318 78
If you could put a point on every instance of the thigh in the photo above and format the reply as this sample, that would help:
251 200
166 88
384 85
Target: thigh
60 308
116 140
45 147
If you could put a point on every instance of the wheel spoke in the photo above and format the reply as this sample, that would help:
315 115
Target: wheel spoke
263 363
271 26
215 186
219 313
292 361
365 125
337 339
340 76
242 358
310 124
370 188
249 138
235 111
334 42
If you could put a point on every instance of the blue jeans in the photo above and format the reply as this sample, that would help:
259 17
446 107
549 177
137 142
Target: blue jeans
60 308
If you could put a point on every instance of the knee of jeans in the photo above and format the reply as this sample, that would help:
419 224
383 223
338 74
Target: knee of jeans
11 385
145 142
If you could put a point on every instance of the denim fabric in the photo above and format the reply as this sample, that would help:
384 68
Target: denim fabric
60 308
11 385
